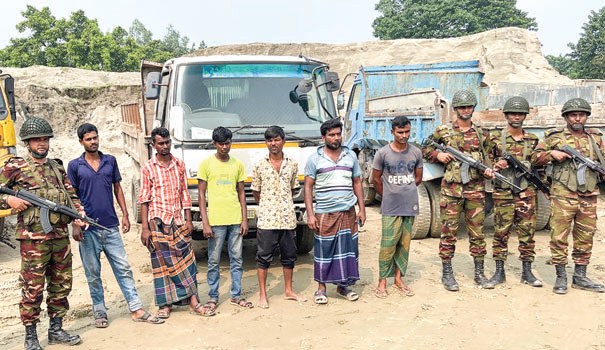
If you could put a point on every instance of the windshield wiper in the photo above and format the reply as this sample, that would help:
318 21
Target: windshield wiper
237 129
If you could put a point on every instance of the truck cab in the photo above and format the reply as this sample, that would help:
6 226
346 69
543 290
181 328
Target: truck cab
246 94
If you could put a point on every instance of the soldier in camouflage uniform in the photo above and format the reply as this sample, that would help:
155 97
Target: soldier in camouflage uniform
44 256
514 208
456 197
573 203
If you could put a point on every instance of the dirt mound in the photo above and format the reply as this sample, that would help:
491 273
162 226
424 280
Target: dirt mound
507 54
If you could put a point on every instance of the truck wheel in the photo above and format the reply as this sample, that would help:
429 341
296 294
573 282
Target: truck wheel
369 194
136 208
304 239
434 189
422 223
542 211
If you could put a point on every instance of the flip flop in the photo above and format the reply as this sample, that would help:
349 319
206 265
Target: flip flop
406 291
320 297
147 318
299 298
347 294
379 293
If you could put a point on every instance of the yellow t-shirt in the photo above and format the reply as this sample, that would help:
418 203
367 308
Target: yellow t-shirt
222 178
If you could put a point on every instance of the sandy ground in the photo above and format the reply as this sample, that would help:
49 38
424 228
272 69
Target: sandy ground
510 316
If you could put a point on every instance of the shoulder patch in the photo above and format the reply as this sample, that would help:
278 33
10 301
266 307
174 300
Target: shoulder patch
594 131
552 131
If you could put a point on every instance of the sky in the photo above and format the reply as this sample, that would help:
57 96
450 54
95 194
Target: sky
280 21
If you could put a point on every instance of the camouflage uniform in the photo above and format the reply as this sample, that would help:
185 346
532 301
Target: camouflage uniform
457 197
514 208
44 256
571 203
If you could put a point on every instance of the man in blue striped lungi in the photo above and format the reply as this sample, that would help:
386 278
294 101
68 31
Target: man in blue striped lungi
334 173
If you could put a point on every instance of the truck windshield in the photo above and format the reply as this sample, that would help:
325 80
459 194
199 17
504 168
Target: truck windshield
257 94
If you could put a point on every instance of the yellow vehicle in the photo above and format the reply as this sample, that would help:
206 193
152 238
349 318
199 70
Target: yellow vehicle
7 128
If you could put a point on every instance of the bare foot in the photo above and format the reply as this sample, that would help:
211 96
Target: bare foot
294 296
262 302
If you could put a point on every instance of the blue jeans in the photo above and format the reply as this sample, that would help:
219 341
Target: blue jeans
215 246
109 242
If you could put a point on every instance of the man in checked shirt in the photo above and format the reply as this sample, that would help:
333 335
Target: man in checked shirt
165 232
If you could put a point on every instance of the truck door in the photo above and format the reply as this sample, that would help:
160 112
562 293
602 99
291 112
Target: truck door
351 132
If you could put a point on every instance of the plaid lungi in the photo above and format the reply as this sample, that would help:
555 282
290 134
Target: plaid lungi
394 245
336 253
172 263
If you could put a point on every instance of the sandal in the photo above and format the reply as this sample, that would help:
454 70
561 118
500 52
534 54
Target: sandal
405 290
320 297
380 293
208 309
347 294
164 312
242 302
148 318
101 320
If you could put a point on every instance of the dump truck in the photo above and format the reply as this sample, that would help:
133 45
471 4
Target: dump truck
8 141
191 96
423 92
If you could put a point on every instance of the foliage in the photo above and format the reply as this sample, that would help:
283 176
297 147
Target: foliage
589 53
563 64
78 42
446 18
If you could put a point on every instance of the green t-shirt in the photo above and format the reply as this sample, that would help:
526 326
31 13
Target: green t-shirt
222 179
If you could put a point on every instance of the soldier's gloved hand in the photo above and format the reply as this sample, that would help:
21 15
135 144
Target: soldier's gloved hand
559 156
501 164
18 204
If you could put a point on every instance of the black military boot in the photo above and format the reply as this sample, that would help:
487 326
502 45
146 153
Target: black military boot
499 276
480 278
56 334
528 277
447 277
560 286
580 280
31 338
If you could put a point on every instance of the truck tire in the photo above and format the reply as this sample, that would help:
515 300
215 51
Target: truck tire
304 239
136 208
542 211
369 194
422 223
434 189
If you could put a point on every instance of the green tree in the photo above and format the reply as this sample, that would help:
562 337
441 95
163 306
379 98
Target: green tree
139 33
589 52
563 64
446 18
79 42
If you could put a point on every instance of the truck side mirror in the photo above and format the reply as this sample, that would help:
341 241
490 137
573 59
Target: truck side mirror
305 85
332 81
340 100
9 89
152 85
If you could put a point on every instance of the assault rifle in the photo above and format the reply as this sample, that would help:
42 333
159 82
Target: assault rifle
46 206
582 163
468 162
521 170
